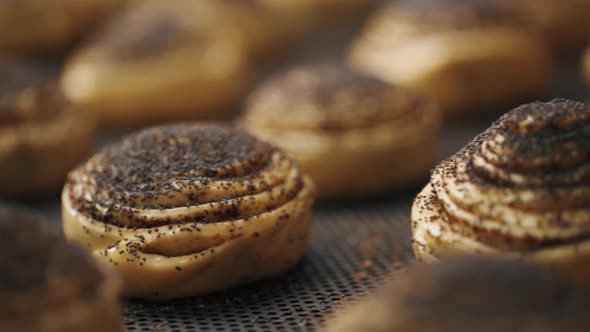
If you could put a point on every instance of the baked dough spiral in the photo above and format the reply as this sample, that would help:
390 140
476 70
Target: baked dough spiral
520 189
466 55
47 285
189 209
348 131
42 136
464 295
161 61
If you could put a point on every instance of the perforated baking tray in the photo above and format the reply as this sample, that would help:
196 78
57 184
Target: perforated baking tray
351 251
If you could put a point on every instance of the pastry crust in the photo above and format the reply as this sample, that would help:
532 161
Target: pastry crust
42 136
351 133
465 55
40 25
519 190
464 295
161 61
48 285
189 209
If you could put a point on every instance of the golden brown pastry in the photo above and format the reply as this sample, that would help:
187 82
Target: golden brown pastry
160 61
465 295
47 285
354 135
189 209
42 136
464 54
562 23
519 190
42 25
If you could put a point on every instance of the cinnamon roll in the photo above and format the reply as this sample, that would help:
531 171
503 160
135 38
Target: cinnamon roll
351 133
42 136
519 190
464 54
41 25
160 61
465 295
47 285
188 209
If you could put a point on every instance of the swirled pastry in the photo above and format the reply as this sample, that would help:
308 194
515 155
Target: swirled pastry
160 61
47 285
464 295
188 209
521 190
41 25
351 133
465 54
42 136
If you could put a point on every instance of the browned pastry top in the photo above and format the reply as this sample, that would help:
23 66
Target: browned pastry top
27 93
329 97
39 272
550 141
156 157
215 170
523 184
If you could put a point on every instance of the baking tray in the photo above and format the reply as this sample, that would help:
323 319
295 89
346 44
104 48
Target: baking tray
354 247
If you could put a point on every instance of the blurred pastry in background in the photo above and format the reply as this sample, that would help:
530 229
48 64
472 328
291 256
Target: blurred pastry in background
519 190
464 295
586 66
42 136
47 285
264 30
353 134
161 61
466 55
28 26
187 209
562 23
